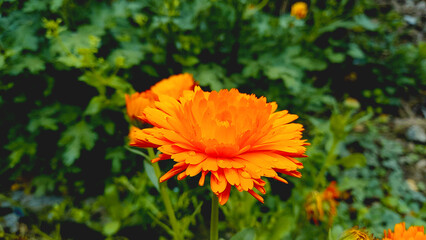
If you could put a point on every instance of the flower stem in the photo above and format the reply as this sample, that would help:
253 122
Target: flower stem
166 199
320 179
214 219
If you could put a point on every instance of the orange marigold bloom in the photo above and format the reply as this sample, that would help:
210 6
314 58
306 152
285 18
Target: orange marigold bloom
236 137
400 233
137 102
299 10
172 86
319 203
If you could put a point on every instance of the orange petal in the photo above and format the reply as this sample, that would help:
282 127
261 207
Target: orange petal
177 168
193 170
224 196
232 176
218 185
202 178
210 164
255 195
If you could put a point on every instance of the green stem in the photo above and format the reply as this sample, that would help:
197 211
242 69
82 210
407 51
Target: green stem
214 219
166 199
320 179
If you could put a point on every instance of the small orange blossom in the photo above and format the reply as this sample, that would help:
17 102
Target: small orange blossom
172 86
319 203
400 233
299 10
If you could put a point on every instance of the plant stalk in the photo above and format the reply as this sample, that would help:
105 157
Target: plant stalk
166 199
214 219
320 180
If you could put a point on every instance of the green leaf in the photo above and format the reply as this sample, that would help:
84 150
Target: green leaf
115 155
335 232
44 118
111 228
2 60
354 160
310 63
365 22
150 70
43 184
55 5
209 75
282 72
333 56
149 169
186 61
245 234
335 25
133 53
32 63
109 127
35 5
95 105
251 69
355 51
74 138
20 148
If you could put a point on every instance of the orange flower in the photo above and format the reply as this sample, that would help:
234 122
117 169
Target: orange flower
318 203
137 102
299 10
413 233
236 137
172 86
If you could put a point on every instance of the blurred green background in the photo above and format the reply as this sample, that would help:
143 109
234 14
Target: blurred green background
354 71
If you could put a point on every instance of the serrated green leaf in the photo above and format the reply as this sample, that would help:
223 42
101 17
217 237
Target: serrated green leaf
20 148
44 123
133 54
23 32
32 63
209 75
95 105
74 138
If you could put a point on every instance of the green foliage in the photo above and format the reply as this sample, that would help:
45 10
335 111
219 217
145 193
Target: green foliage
66 65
